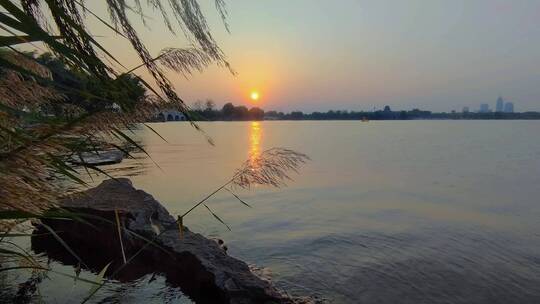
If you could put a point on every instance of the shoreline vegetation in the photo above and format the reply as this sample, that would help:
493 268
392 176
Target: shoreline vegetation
66 103
207 111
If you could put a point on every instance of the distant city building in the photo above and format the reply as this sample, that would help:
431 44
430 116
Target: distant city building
500 105
465 110
484 108
509 107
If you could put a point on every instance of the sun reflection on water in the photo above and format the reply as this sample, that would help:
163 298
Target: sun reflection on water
255 136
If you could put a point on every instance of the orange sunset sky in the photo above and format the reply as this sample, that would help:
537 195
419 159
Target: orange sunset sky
359 54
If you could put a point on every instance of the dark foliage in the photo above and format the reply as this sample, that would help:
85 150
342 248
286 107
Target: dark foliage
231 112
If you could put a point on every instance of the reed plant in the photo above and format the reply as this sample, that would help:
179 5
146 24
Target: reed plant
42 127
37 144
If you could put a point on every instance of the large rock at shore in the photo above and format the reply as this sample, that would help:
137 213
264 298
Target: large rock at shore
198 265
100 158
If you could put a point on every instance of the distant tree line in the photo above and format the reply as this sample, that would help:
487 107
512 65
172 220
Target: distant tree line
207 111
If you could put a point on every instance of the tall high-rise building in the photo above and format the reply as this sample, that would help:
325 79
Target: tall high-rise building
484 108
465 110
500 104
509 107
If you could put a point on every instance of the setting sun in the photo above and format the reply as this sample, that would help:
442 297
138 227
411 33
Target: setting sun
254 95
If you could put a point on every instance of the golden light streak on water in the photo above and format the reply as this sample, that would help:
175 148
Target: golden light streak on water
255 136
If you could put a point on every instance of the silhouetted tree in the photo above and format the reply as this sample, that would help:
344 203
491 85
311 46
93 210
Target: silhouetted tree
208 113
210 105
227 111
272 113
297 115
230 112
403 115
240 113
256 113
197 105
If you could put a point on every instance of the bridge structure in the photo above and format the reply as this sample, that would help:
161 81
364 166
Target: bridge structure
170 115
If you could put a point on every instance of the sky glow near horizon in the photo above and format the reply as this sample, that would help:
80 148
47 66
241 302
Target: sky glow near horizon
360 55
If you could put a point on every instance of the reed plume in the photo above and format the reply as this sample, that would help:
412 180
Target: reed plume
271 168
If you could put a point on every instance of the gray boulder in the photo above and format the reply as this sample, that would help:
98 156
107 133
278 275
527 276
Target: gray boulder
198 265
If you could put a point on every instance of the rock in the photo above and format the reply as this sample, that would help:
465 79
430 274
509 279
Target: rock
198 265
98 159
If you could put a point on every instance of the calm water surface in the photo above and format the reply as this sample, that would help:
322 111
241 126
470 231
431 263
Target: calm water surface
386 212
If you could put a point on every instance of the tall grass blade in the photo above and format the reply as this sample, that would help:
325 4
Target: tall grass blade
218 218
73 277
237 197
119 229
155 132
181 227
63 243
98 282
21 267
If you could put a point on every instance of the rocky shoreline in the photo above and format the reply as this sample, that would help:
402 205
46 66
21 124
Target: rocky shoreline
198 265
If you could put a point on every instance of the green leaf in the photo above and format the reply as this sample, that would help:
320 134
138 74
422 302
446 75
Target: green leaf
14 40
129 139
27 25
64 169
125 151
63 214
58 11
97 169
15 214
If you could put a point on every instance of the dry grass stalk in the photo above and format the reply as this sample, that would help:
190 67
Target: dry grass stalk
119 229
271 168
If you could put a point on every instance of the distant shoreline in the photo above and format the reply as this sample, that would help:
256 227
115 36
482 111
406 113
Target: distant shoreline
418 119
515 116
229 112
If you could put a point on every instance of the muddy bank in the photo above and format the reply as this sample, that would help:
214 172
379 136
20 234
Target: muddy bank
199 266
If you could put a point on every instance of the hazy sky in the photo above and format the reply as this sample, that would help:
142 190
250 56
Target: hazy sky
312 55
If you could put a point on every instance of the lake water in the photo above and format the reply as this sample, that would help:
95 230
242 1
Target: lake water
385 212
